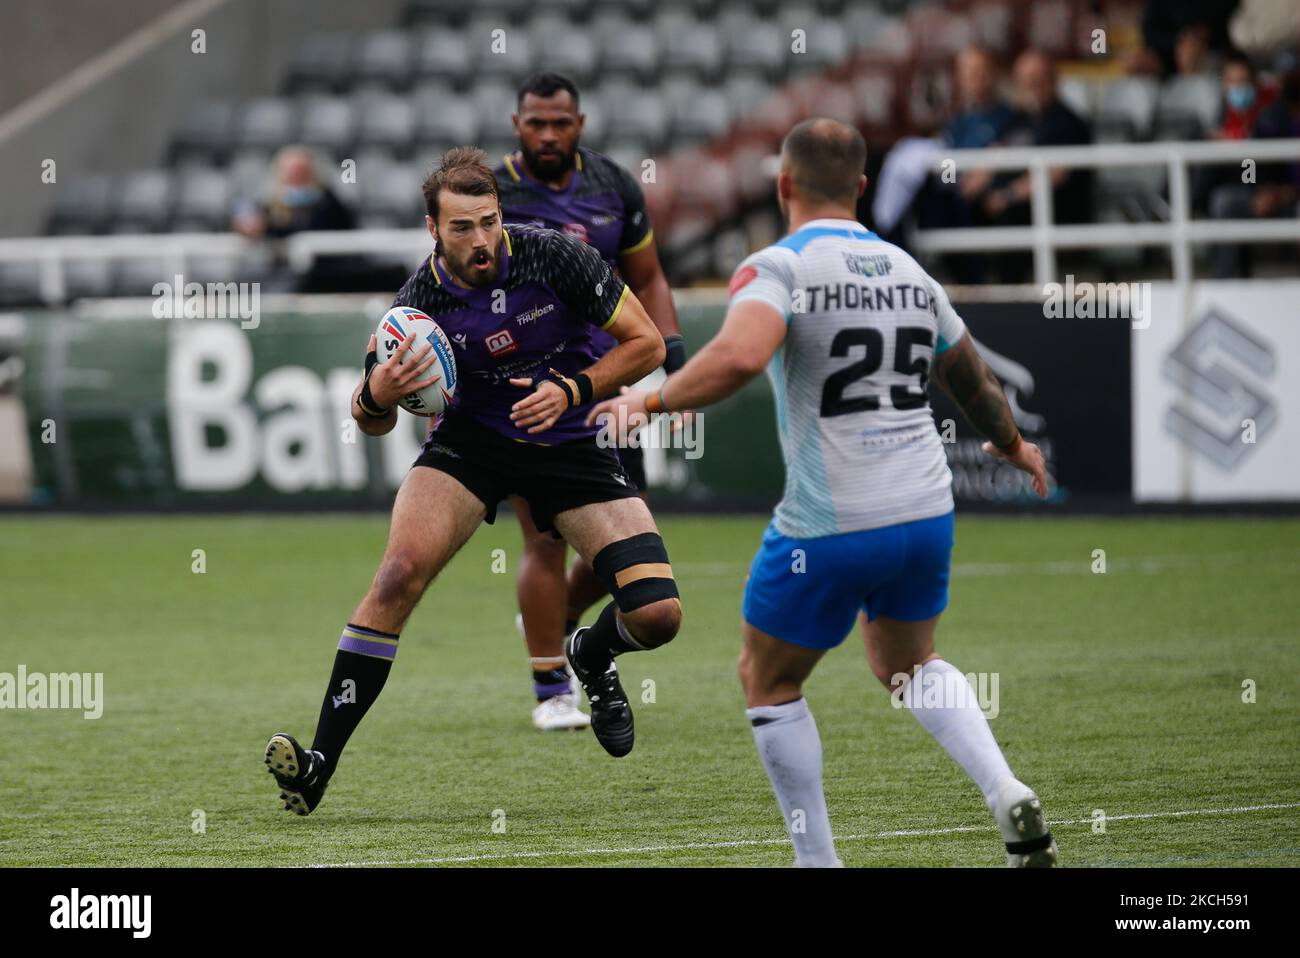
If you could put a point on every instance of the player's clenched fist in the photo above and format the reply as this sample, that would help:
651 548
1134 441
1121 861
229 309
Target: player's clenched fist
1027 457
401 375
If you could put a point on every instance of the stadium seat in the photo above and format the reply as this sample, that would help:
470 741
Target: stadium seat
202 200
1076 93
266 122
630 155
445 120
327 122
145 197
385 56
82 204
20 283
323 63
688 44
506 55
755 45
630 49
443 54
634 113
495 103
390 190
137 275
204 132
387 121
436 13
744 92
87 278
1187 108
560 46
704 116
1127 109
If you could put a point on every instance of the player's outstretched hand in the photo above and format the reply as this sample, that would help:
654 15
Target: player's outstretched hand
1026 457
392 380
630 401
538 411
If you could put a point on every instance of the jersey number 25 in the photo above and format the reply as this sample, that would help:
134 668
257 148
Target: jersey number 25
834 402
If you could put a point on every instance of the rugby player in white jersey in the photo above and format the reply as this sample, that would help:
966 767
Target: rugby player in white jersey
849 329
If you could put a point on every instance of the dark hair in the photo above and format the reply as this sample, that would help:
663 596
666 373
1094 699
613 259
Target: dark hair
463 170
825 158
1234 55
546 84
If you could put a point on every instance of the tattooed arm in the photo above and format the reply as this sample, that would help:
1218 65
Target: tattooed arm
966 378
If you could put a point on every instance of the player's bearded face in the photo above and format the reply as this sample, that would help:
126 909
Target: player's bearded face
550 161
470 238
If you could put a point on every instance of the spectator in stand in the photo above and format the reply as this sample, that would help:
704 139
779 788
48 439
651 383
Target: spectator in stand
982 119
298 202
1276 186
1181 34
1044 120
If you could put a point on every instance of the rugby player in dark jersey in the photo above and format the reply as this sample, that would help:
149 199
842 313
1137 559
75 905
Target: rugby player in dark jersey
519 306
554 182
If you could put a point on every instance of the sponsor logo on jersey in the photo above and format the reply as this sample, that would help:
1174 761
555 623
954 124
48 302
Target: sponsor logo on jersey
741 278
501 343
866 265
460 339
576 230
534 314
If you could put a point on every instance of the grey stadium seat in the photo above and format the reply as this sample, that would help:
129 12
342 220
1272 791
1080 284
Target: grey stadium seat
635 113
204 131
266 122
1187 108
517 58
387 121
560 46
443 54
689 44
1127 109
744 91
82 204
631 48
446 121
202 200
759 46
323 61
145 197
495 103
326 122
385 56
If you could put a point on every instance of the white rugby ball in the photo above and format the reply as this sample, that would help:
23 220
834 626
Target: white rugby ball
398 323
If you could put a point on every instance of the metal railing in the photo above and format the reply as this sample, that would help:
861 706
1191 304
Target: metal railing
1045 237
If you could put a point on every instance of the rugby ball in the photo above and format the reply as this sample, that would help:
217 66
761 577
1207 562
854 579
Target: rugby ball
400 322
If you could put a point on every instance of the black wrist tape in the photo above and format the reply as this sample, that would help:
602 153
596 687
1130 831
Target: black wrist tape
584 388
367 401
674 354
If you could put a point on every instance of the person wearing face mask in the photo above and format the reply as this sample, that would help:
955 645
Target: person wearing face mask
1243 98
299 201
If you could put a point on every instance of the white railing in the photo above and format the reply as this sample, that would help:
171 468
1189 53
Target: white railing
1045 237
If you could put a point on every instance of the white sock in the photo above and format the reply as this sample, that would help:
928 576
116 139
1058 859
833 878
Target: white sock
791 750
957 723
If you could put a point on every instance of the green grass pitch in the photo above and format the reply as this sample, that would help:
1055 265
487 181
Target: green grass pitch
1119 691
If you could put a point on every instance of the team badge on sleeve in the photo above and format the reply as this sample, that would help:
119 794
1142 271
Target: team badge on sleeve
740 278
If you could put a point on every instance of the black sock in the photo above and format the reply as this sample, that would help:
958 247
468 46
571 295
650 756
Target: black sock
361 667
605 639
548 683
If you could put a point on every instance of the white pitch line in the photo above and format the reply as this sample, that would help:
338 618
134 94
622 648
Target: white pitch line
749 842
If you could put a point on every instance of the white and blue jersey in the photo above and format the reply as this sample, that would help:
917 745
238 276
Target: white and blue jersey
861 451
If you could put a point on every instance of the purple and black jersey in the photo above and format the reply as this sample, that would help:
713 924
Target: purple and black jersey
603 206
552 295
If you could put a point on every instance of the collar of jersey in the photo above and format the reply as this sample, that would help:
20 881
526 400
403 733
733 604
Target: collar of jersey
848 227
521 175
473 296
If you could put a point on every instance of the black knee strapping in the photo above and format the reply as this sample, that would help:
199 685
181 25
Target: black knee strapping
636 571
